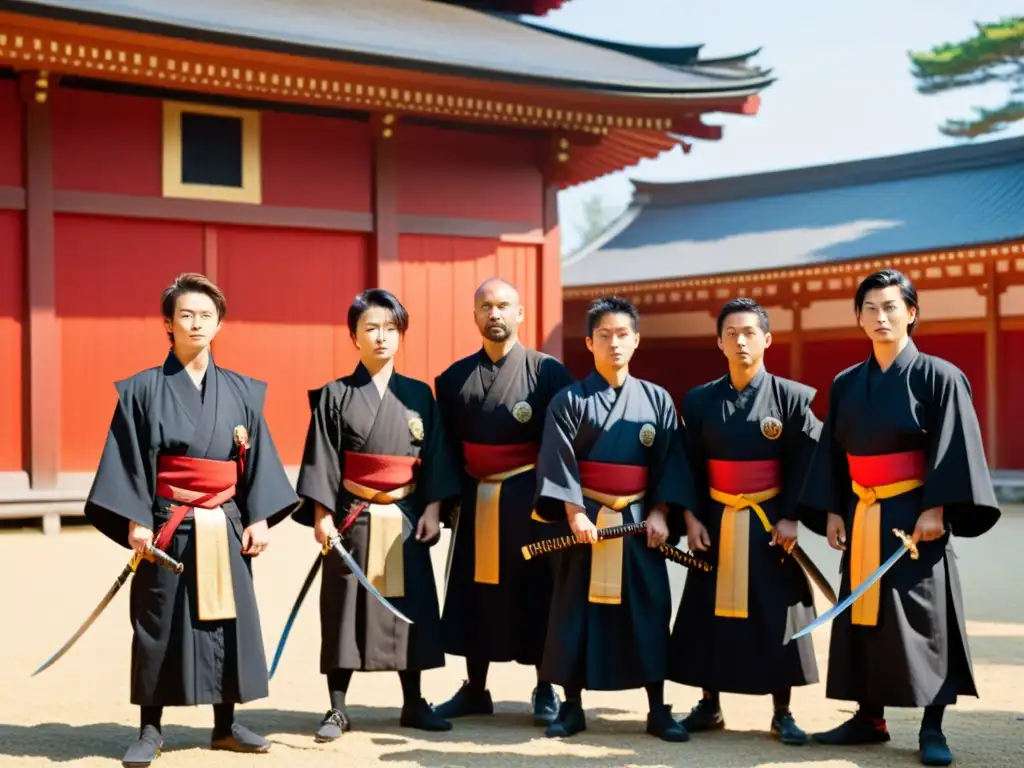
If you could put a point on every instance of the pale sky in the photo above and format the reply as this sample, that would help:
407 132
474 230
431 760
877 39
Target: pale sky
844 89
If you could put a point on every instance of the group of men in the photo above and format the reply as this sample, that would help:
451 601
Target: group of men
508 450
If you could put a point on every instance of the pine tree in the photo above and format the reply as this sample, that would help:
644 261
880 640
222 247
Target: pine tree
994 55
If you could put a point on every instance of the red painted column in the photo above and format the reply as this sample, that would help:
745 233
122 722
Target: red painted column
385 271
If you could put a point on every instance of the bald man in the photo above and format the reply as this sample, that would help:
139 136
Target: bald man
493 405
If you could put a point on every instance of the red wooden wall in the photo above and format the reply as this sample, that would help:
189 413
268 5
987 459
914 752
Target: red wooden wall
12 282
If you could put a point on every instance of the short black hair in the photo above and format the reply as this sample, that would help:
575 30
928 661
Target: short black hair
743 304
611 305
377 297
884 279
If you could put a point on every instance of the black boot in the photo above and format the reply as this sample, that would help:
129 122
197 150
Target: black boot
418 714
570 721
934 749
784 726
859 729
545 704
146 749
660 723
468 700
705 716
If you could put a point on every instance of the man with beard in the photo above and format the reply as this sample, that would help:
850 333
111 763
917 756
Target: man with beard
493 405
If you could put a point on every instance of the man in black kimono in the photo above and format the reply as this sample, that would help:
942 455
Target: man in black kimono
189 453
376 468
611 455
493 404
901 449
749 438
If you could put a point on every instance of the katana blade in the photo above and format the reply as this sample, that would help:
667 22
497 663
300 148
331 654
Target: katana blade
294 612
456 514
814 573
335 543
831 613
152 554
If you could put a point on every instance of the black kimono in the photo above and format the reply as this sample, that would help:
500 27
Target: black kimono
766 429
350 417
177 659
597 645
494 412
912 651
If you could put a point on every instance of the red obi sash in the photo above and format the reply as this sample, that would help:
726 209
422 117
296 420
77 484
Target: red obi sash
887 469
613 479
483 460
744 477
192 482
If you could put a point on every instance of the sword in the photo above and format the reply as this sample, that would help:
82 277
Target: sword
546 546
153 555
335 543
294 612
456 513
685 559
814 573
907 546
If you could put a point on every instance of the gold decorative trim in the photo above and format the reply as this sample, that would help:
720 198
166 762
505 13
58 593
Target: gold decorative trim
94 57
810 279
251 190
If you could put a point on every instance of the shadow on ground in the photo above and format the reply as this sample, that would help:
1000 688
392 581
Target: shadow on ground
978 738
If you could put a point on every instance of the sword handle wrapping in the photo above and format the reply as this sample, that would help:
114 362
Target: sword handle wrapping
161 558
547 546
686 559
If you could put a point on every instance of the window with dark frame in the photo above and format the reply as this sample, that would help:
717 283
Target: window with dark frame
211 149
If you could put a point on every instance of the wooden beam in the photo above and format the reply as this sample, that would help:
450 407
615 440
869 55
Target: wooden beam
550 329
449 226
385 270
12 199
43 385
992 382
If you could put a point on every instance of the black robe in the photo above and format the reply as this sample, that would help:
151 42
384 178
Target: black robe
596 646
748 655
176 658
918 653
506 621
356 631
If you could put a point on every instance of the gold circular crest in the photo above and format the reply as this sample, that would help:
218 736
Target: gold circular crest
647 434
771 427
241 436
522 411
416 428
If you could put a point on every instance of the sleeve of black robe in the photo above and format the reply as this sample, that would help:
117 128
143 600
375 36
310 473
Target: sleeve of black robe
801 434
446 409
268 494
669 480
438 478
321 470
558 472
122 489
827 485
957 476
555 376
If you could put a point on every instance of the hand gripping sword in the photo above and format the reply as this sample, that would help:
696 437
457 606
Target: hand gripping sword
333 543
153 555
907 546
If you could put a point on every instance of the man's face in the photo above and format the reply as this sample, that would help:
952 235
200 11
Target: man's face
613 341
497 311
195 322
884 315
742 340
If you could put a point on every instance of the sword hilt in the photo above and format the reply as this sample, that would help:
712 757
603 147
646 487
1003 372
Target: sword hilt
161 558
330 543
686 559
547 546
908 542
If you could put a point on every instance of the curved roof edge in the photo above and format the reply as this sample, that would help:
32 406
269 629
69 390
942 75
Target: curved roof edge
614 228
831 176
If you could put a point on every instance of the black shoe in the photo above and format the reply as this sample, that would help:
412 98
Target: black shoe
333 726
857 730
146 749
240 739
419 715
660 723
785 727
706 716
466 701
545 704
934 749
569 722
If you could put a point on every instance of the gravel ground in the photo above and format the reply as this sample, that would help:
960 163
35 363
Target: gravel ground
77 712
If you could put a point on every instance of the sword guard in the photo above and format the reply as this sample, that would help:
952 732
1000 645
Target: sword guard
907 542
330 544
